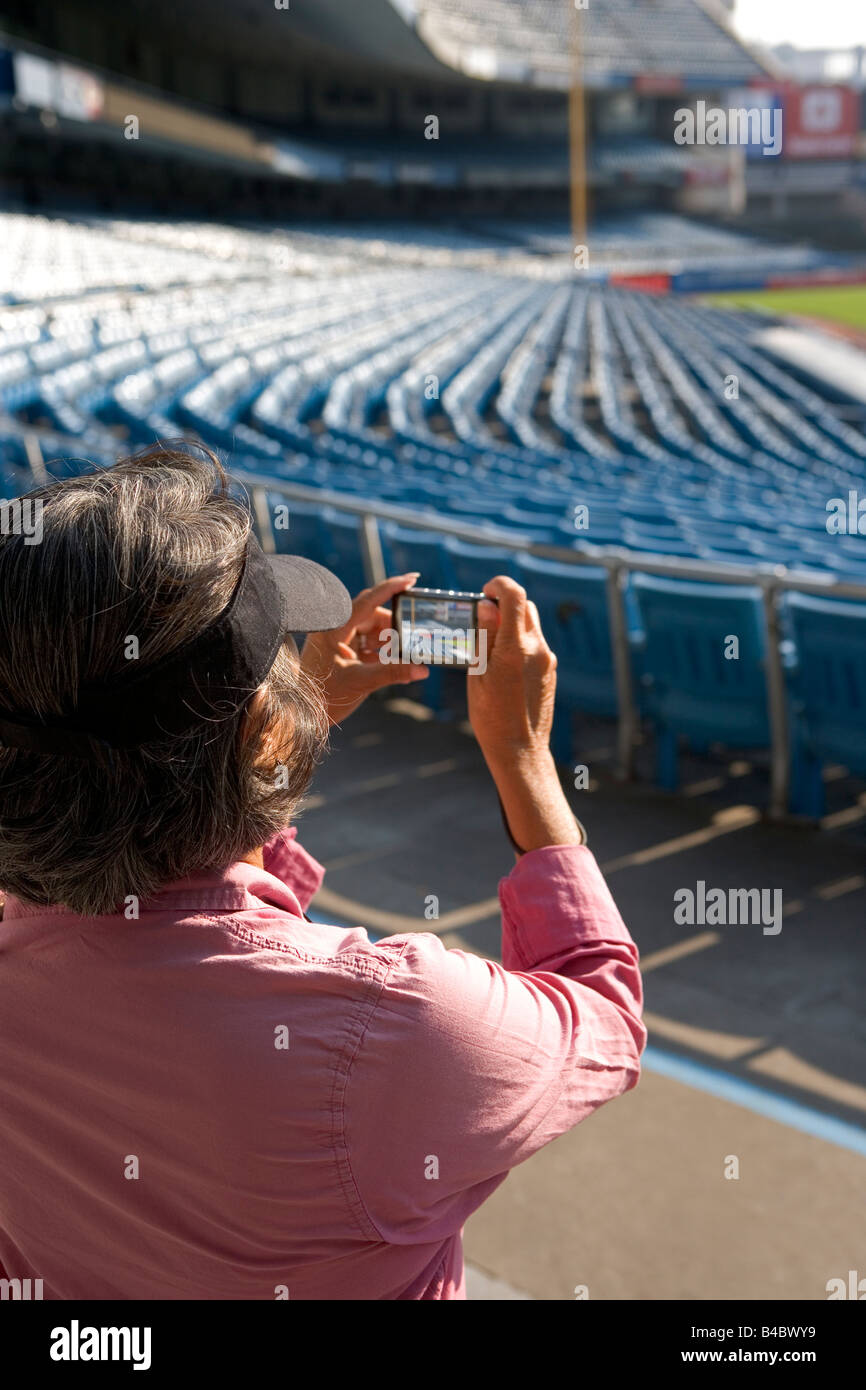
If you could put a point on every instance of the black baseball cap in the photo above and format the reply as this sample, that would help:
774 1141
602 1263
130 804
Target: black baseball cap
275 595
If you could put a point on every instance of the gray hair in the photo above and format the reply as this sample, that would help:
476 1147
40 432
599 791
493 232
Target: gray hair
151 547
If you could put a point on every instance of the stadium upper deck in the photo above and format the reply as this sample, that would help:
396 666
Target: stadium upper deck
529 40
506 40
323 107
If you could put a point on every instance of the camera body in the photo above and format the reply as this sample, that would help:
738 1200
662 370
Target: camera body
437 626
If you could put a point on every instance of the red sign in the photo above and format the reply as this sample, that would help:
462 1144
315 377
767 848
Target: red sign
820 122
650 284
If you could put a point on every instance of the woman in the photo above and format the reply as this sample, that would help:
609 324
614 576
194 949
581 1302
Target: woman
204 1095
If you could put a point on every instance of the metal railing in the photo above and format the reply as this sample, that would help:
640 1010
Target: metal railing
619 563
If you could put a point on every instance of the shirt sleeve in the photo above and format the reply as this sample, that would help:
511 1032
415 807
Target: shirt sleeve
469 1067
288 861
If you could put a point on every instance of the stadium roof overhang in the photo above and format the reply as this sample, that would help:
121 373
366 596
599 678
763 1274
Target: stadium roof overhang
379 33
403 36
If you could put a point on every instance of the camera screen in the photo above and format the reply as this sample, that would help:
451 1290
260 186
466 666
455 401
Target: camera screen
438 631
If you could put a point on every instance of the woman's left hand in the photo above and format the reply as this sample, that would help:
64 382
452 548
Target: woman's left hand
346 661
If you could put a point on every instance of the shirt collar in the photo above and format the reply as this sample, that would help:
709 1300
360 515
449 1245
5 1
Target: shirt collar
239 888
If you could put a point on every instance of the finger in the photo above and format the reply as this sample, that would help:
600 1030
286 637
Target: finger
512 604
365 605
488 616
534 628
532 621
370 639
379 621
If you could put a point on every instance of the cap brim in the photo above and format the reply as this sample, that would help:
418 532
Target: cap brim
314 600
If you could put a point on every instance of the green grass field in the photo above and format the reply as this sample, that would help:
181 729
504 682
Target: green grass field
839 303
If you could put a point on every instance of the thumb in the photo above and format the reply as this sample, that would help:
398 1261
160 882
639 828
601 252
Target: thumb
395 673
488 620
405 674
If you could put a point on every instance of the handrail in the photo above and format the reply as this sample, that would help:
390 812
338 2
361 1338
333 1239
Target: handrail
619 562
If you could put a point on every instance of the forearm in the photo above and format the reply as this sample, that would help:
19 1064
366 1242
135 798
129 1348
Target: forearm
532 798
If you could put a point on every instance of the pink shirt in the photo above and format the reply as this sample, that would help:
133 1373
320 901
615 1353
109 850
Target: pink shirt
309 1114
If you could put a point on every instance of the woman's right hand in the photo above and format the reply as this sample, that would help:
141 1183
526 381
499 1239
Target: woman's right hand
511 701
511 712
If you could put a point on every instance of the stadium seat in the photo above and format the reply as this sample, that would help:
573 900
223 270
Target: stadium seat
297 527
550 395
405 549
826 673
342 547
573 607
689 687
473 565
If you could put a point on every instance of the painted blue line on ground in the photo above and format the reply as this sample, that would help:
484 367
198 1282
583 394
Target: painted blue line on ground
752 1097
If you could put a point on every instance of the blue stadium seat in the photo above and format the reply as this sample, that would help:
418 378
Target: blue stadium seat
405 549
473 565
826 671
688 686
557 395
521 519
343 553
572 605
474 508
297 527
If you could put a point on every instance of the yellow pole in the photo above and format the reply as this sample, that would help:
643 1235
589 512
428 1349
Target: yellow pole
577 130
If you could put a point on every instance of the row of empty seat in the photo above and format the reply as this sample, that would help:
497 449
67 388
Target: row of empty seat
489 394
536 408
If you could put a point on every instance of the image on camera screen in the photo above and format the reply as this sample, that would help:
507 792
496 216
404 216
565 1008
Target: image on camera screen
437 630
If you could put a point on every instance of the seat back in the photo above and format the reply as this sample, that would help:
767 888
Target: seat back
473 565
405 548
297 527
696 679
343 548
572 605
827 681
